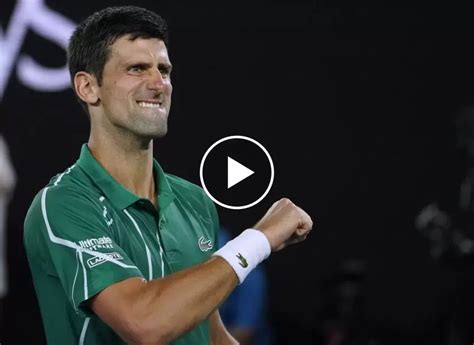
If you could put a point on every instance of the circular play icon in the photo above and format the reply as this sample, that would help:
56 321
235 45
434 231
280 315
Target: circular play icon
236 172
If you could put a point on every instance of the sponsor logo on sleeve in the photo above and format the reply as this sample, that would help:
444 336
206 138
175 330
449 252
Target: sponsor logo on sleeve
95 261
104 242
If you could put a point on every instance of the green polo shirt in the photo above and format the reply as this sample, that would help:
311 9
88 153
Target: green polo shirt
84 232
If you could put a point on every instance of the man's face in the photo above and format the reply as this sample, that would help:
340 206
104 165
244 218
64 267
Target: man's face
136 87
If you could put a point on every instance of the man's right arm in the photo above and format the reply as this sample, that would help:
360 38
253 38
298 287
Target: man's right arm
158 311
161 310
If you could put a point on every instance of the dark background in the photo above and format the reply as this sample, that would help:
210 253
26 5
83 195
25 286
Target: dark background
355 104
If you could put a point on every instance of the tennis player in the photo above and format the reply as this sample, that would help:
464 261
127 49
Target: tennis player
120 251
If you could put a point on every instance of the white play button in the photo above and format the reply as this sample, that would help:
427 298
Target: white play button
236 172
219 184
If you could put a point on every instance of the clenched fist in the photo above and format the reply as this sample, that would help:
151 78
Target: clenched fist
285 224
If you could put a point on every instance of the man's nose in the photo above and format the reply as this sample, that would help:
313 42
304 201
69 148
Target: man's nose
156 81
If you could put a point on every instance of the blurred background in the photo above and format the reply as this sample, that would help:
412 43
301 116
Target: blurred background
367 111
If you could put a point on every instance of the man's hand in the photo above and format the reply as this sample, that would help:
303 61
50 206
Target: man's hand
285 224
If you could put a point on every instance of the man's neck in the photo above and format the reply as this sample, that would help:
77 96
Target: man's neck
130 163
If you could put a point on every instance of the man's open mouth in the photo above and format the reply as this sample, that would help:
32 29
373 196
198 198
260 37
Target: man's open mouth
145 104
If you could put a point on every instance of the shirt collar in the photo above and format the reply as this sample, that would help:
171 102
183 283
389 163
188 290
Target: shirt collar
118 195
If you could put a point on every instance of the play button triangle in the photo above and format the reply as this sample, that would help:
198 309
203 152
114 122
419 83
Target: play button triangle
236 172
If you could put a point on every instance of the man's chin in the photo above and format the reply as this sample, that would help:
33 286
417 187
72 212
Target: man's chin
160 135
156 134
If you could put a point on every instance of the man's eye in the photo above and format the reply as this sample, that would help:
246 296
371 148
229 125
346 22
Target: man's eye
136 69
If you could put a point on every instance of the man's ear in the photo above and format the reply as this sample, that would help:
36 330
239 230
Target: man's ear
86 87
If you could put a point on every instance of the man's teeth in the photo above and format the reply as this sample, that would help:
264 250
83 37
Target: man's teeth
149 105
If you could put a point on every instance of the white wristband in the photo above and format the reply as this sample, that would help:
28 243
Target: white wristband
245 252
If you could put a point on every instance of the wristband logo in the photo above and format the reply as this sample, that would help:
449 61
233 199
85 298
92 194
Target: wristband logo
242 261
204 244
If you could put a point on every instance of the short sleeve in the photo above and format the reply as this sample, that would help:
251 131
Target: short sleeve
65 230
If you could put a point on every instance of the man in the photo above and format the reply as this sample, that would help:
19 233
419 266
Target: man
121 252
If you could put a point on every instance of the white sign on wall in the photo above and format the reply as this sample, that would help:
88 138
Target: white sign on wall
36 16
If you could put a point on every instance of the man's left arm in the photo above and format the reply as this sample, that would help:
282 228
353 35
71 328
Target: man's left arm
218 332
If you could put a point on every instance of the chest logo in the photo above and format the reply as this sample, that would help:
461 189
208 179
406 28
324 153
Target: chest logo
204 244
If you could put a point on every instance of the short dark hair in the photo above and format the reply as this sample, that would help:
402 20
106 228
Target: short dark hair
89 44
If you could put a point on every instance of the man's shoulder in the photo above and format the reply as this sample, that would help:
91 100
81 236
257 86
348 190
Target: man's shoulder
61 204
64 190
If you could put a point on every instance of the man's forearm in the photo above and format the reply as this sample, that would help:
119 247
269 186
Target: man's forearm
188 297
163 309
